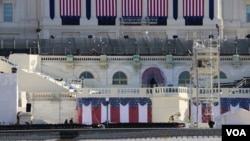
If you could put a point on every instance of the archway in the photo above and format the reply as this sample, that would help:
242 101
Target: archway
152 77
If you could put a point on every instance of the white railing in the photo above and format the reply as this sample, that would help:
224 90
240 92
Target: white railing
183 92
129 58
8 61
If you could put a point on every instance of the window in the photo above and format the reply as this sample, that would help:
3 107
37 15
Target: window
184 78
119 78
222 76
8 12
248 13
86 75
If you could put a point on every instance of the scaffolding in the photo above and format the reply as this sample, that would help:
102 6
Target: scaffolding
205 66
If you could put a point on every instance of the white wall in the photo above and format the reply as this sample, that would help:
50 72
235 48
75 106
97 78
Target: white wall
8 98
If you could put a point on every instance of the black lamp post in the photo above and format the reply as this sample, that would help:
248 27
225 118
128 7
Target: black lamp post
107 103
235 44
218 29
38 30
82 78
52 37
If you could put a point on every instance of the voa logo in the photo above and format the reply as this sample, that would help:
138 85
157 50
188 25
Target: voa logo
236 132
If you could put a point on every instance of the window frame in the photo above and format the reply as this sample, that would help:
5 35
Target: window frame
86 73
120 80
185 79
8 12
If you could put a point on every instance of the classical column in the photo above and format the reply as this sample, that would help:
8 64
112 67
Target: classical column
93 19
180 11
170 9
170 19
206 10
57 12
93 13
144 9
218 10
217 14
45 9
46 21
83 12
180 20
119 12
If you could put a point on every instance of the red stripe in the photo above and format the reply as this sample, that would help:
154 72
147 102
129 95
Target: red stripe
79 115
96 114
77 6
129 6
149 7
161 11
109 8
65 7
102 4
133 115
115 114
202 7
156 9
112 8
167 8
193 7
70 7
196 13
136 8
206 114
149 115
123 9
106 7
141 7
115 8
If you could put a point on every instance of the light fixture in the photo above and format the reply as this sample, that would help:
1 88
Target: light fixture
90 36
211 36
175 36
52 36
38 30
126 36
248 36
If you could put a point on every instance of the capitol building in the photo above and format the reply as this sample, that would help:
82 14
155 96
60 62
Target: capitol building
124 61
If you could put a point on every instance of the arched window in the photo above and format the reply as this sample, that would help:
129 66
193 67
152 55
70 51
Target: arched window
86 75
222 76
184 78
119 78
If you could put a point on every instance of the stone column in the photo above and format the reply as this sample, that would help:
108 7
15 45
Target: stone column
206 19
93 19
57 10
171 20
180 20
45 21
206 10
83 12
217 18
46 13
144 9
119 12
45 8
180 12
